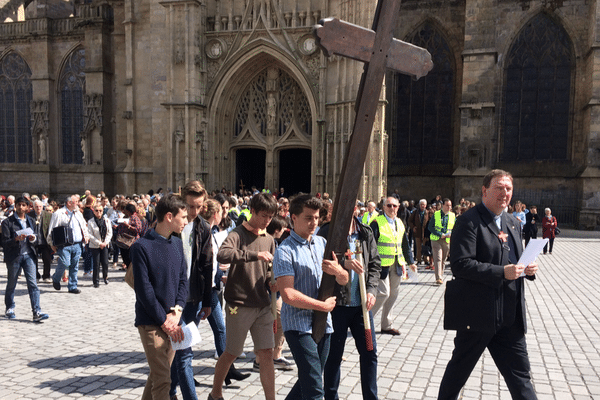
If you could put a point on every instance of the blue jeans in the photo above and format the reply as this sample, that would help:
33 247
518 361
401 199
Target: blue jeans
310 359
87 259
27 263
344 318
182 372
217 322
68 256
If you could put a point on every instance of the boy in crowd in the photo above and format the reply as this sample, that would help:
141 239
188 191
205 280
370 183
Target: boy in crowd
249 250
298 267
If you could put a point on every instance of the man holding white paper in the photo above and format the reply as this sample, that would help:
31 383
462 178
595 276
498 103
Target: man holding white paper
485 302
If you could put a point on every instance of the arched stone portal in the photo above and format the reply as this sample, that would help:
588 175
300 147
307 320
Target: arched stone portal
264 103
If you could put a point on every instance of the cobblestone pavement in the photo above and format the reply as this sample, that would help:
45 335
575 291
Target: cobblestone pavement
89 347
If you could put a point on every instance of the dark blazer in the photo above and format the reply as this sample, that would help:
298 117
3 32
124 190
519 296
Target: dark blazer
371 260
415 221
476 299
12 248
200 289
43 225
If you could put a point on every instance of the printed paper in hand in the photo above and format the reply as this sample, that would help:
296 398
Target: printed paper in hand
533 249
191 336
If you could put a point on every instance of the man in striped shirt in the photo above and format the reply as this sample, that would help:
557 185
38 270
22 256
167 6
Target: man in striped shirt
298 266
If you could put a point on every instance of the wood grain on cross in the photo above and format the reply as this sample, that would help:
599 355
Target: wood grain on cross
378 50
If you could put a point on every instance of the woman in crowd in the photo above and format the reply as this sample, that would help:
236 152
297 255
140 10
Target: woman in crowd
549 225
213 214
134 226
519 213
100 230
226 222
530 230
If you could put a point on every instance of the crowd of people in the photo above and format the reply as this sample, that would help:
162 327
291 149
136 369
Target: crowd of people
251 262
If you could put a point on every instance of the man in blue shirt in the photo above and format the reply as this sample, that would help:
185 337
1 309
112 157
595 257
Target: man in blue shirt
298 266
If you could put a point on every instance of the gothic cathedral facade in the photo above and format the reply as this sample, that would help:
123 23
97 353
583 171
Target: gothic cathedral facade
130 95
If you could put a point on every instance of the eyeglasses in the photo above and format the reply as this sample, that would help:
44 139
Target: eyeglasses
393 205
98 210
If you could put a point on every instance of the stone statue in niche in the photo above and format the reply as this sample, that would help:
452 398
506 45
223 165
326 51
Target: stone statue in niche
271 111
83 149
42 146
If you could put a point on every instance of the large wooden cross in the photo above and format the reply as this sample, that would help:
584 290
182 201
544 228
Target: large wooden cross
379 50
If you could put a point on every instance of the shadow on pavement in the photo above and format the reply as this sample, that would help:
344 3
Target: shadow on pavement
90 360
92 386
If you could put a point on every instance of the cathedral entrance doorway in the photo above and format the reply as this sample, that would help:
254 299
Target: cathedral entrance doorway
250 168
295 170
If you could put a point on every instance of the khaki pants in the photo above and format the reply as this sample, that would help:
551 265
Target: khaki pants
159 354
440 249
387 294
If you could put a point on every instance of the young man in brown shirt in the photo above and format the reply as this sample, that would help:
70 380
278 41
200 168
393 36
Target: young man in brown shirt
249 250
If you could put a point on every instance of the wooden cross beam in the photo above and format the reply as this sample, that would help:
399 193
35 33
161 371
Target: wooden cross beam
379 51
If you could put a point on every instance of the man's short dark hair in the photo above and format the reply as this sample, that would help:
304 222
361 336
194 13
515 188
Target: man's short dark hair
21 199
131 208
263 202
298 204
487 180
277 224
445 200
171 203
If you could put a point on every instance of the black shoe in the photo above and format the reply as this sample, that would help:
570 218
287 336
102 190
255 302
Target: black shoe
74 291
39 316
106 281
236 375
196 383
96 285
55 285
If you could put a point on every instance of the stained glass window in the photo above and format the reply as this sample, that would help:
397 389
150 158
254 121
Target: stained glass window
72 88
292 106
15 98
538 92
421 111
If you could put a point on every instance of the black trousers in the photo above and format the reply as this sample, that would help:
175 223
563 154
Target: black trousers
509 351
46 252
99 257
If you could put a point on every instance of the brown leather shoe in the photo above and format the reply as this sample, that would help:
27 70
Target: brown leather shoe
391 331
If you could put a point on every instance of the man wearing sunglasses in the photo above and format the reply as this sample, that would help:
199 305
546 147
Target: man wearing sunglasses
392 245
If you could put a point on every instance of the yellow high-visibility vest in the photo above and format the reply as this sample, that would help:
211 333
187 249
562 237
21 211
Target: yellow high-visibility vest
437 218
366 220
389 244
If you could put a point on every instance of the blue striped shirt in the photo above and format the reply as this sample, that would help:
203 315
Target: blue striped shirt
301 259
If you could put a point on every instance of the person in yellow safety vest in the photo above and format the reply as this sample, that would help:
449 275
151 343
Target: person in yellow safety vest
245 215
440 227
370 215
392 245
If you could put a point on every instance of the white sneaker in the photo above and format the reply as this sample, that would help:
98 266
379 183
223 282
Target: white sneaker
216 355
243 355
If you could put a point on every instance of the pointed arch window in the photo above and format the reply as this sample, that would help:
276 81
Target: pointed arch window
291 106
72 89
537 99
15 98
421 111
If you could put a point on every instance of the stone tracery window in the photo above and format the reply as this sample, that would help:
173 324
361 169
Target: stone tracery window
421 111
15 98
538 91
292 106
72 88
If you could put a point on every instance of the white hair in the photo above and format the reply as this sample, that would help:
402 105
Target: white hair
423 201
547 209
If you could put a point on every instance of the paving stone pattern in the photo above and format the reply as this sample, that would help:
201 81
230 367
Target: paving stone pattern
89 347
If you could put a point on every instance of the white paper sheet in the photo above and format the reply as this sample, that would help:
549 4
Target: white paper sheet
533 249
26 232
191 337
